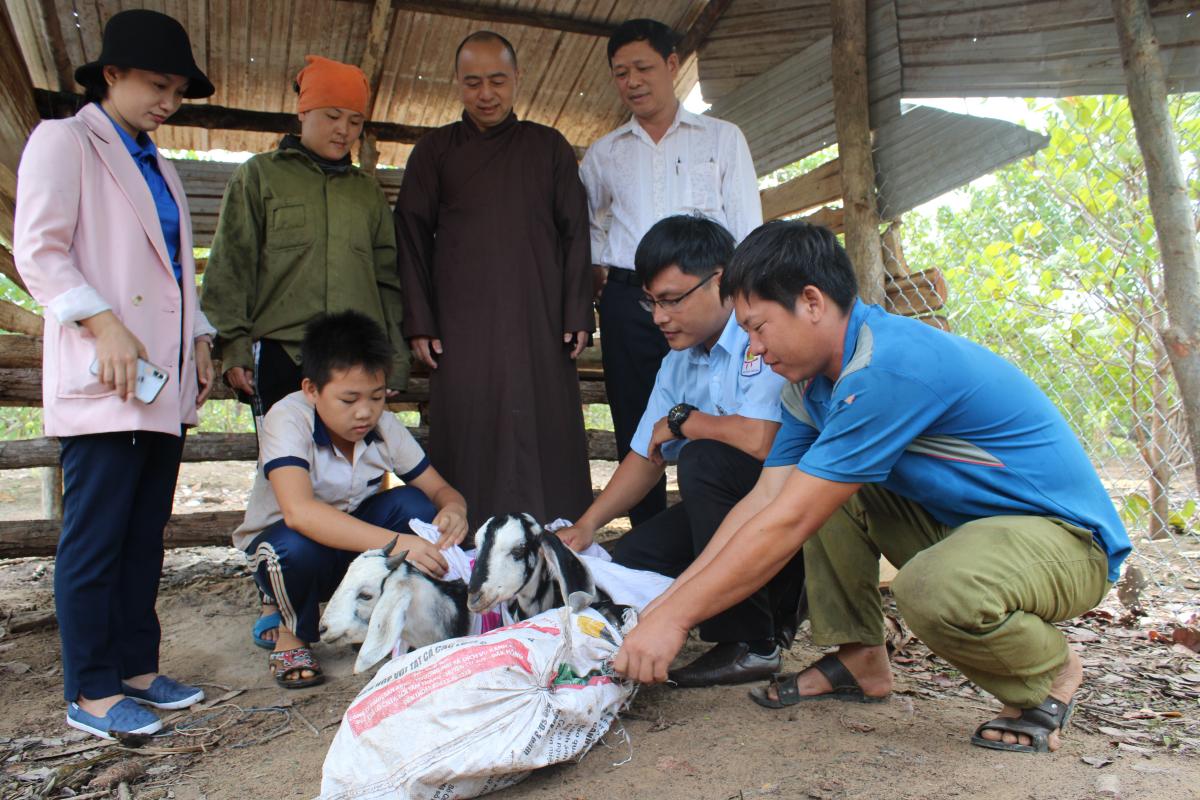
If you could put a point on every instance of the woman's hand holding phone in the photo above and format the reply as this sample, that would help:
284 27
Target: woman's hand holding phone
117 353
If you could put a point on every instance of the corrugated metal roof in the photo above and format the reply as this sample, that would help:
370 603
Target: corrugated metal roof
252 50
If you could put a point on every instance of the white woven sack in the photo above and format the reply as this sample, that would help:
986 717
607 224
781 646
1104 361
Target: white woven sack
470 716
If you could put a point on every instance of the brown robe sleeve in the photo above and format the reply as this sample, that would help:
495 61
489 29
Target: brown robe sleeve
416 221
574 237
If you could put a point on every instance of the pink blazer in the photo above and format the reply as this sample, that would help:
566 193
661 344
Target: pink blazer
87 239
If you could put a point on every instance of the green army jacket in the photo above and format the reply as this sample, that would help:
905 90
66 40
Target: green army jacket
293 242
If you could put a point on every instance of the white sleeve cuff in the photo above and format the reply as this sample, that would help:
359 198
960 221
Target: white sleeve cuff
202 327
78 303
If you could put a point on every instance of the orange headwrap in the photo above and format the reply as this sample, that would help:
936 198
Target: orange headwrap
325 83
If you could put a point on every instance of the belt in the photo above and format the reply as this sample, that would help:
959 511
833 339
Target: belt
626 276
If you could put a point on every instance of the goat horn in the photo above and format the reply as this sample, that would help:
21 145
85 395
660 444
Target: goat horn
387 548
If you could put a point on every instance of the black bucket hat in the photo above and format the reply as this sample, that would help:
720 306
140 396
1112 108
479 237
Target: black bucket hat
142 39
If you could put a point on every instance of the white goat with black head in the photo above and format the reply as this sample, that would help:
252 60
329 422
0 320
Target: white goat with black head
520 564
383 599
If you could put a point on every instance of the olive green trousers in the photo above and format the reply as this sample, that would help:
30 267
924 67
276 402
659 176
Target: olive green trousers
982 595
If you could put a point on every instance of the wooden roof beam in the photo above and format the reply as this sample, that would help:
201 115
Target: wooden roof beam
58 46
701 28
52 105
507 16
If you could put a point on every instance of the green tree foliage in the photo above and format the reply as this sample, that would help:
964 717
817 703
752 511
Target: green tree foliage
1053 263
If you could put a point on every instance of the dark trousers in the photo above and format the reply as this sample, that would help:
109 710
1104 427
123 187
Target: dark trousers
275 376
632 348
301 574
118 489
713 478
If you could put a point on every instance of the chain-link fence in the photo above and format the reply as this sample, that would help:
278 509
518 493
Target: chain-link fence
1053 263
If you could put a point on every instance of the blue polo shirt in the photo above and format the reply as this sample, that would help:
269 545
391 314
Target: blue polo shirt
145 155
725 380
947 424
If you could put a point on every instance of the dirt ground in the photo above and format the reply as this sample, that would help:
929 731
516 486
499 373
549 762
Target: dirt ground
1137 732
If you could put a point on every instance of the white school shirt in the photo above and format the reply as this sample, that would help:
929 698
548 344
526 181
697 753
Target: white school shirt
728 379
701 165
293 435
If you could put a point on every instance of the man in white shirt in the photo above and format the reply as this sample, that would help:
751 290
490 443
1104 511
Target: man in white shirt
664 161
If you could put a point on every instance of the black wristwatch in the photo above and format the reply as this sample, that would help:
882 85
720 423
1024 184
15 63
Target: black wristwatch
677 416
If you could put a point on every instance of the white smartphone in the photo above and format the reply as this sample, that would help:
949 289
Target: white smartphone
150 380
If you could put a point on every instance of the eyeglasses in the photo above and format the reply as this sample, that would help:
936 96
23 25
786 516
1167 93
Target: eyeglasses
648 303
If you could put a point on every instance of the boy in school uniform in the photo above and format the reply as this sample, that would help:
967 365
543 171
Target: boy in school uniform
317 500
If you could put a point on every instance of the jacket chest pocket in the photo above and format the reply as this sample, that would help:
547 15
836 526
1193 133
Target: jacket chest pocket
289 224
705 184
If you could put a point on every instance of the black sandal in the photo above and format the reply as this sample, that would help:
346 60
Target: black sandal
1036 723
845 687
287 665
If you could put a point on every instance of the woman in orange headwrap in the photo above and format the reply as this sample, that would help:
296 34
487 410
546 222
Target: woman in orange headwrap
302 232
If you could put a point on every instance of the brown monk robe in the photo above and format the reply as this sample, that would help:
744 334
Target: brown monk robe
492 232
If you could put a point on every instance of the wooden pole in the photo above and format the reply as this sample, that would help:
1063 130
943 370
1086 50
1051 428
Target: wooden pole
52 492
1173 220
851 112
368 155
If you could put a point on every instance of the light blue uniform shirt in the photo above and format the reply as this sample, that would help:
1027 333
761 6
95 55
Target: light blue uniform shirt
145 155
726 380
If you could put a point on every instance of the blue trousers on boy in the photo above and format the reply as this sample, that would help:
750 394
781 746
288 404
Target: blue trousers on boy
301 574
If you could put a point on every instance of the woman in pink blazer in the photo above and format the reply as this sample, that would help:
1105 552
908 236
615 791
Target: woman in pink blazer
103 240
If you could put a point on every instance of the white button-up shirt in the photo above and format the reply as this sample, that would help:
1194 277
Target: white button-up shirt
701 165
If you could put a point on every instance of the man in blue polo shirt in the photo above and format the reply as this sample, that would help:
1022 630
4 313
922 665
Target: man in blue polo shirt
714 409
904 440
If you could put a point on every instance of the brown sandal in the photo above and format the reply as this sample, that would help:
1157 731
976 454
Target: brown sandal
287 665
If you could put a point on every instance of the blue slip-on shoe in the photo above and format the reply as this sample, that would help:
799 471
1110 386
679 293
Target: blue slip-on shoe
267 622
126 717
165 693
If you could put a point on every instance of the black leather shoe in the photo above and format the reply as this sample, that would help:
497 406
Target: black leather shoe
726 664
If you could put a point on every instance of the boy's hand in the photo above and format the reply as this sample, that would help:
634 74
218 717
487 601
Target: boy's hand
423 555
452 522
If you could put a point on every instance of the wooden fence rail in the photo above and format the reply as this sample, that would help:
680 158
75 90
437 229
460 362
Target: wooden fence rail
21 385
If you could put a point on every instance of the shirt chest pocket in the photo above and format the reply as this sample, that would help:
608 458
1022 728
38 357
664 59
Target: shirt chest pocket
705 184
289 224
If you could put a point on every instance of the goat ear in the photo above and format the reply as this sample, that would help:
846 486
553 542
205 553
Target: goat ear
387 548
394 562
385 628
568 571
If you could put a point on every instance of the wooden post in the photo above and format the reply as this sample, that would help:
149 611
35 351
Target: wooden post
851 112
52 492
380 30
1173 220
368 154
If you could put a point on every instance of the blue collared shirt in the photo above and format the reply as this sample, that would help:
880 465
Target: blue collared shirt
145 155
722 381
948 424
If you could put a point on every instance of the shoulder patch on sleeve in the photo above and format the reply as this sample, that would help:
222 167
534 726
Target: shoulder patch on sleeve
751 364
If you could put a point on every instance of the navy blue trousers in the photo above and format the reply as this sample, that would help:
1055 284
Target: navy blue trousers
301 574
118 489
632 348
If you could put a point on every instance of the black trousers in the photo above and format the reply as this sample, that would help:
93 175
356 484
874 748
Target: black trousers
713 478
275 377
118 489
632 348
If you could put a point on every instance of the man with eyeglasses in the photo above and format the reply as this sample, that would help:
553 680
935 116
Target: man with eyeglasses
714 410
